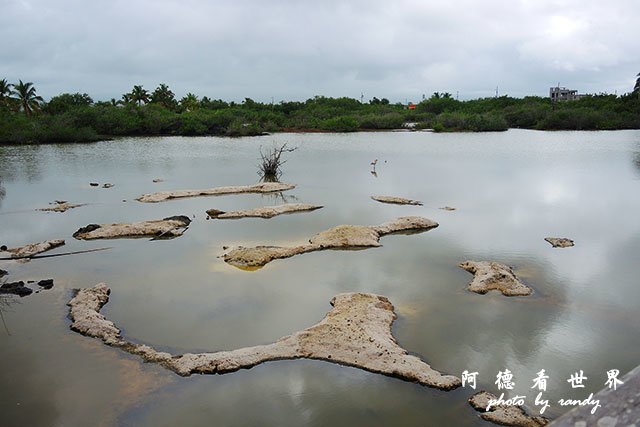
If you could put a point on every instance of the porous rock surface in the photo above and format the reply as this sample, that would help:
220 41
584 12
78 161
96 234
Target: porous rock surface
62 206
263 187
396 200
263 212
506 415
356 332
342 236
559 242
33 249
490 275
169 227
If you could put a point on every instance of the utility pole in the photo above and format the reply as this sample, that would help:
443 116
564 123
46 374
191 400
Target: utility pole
496 91
361 97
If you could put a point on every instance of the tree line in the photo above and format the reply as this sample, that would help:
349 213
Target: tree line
74 117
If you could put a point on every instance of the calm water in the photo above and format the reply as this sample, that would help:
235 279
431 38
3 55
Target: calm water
510 189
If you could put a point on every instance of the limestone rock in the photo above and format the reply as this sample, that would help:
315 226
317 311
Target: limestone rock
263 212
169 227
448 208
24 252
396 200
506 415
493 275
342 236
62 206
356 332
559 242
263 187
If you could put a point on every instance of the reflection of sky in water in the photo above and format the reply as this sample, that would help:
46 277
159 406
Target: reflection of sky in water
510 189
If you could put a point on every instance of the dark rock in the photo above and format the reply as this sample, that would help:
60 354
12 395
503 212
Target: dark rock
46 283
107 185
88 229
16 288
93 184
3 273
3 248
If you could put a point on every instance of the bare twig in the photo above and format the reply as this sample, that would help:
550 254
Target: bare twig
271 161
53 255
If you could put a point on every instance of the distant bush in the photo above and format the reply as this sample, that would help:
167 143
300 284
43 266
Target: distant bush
341 124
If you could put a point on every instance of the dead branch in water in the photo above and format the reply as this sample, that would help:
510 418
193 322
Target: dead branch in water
269 169
54 255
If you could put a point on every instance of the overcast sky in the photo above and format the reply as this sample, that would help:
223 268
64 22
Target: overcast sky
296 49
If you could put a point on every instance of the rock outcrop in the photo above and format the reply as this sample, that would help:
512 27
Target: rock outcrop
396 200
559 242
506 415
263 187
16 288
23 253
356 332
493 275
162 228
340 237
62 206
263 212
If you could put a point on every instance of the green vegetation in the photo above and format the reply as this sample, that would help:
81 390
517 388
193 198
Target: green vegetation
26 118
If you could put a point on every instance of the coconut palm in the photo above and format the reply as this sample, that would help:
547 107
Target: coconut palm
189 102
5 90
164 96
139 95
26 97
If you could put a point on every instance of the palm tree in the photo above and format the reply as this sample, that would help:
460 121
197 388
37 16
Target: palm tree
26 96
139 95
5 93
189 102
5 89
164 96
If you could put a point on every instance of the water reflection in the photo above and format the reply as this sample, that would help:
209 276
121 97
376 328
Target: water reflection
3 193
511 190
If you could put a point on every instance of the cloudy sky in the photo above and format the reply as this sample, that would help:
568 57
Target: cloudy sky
296 49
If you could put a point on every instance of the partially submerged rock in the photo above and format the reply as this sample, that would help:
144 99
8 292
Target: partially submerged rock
16 288
62 206
264 212
356 332
3 272
448 208
493 275
108 185
263 187
93 184
506 415
396 200
342 236
23 253
559 242
167 228
46 283
158 180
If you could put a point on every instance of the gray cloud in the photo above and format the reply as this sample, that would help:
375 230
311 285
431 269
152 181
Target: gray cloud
298 49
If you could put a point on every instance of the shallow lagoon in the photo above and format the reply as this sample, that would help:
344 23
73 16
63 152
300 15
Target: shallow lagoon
510 189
